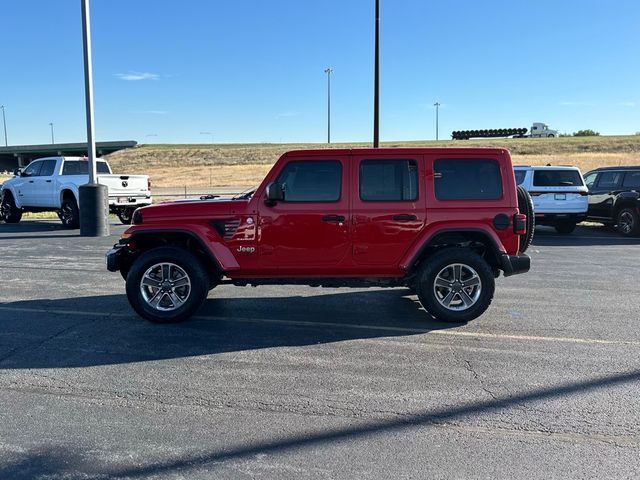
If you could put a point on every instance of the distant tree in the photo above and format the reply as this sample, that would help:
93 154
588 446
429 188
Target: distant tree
586 133
565 134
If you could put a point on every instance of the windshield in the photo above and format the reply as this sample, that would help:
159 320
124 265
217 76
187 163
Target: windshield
246 195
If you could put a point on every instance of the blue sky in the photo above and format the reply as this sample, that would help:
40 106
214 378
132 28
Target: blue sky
252 71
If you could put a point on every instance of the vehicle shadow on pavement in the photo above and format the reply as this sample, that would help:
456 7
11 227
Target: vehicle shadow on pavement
582 236
21 231
103 330
59 462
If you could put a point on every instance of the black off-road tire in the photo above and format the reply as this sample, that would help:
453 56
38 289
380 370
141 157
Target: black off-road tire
628 222
9 213
435 264
188 263
565 228
125 215
525 206
69 213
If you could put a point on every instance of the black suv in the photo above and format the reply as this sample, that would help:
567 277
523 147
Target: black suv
614 197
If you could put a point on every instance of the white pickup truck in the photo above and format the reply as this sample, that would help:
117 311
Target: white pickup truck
51 184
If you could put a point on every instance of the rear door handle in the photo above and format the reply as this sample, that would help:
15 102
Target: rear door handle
405 218
30 181
333 218
48 181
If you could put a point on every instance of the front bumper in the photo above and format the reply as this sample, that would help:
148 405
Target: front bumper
515 264
115 257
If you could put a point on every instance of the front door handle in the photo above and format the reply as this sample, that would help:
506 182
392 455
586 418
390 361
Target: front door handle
48 181
405 218
333 218
30 181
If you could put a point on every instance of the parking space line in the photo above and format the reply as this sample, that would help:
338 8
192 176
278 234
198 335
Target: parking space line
381 328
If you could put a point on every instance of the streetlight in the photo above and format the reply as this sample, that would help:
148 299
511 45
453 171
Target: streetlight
52 140
328 71
376 80
94 197
437 105
208 133
4 124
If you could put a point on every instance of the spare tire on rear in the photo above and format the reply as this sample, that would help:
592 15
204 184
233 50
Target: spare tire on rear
525 206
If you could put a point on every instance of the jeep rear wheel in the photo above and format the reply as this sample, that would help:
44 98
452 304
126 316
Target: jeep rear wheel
167 284
8 210
456 285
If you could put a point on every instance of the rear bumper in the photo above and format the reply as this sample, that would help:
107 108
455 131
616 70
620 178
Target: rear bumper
515 264
119 201
555 218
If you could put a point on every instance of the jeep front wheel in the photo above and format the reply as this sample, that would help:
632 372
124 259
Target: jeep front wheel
456 285
167 285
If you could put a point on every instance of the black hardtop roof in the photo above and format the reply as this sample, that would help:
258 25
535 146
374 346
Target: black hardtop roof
398 151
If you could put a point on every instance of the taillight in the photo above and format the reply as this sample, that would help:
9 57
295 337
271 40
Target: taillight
149 184
583 194
520 223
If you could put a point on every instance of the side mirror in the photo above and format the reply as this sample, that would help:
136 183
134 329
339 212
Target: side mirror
274 192
17 172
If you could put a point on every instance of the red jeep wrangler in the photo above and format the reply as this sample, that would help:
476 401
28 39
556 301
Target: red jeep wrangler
443 222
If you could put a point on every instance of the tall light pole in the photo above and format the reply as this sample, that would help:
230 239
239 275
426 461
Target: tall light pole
94 200
52 139
328 71
376 80
437 105
4 124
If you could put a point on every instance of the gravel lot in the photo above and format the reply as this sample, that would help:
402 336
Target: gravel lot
303 383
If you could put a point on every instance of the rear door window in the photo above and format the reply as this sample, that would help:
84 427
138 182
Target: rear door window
632 180
467 179
388 180
48 166
609 179
557 178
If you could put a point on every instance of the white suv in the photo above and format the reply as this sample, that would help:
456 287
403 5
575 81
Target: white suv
560 197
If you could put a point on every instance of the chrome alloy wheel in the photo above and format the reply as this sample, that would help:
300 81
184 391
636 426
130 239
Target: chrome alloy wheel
457 287
625 222
165 287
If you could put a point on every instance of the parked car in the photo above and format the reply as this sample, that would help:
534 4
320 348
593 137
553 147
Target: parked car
614 198
559 195
443 222
51 184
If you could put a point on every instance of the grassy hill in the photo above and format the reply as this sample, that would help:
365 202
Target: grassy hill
246 164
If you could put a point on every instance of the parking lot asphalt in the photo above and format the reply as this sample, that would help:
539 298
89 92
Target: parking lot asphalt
297 382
